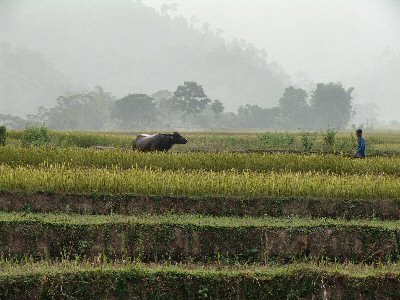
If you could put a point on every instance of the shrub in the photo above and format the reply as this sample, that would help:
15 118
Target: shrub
329 139
307 141
35 135
3 133
277 140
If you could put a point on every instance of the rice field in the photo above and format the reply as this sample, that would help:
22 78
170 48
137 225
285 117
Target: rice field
378 143
223 161
229 215
61 178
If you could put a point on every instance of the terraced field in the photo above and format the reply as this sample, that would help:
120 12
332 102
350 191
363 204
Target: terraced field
116 224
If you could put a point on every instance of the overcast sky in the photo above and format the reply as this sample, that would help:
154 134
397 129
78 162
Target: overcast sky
331 40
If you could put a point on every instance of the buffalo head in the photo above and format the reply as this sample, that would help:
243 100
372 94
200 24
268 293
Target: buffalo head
176 138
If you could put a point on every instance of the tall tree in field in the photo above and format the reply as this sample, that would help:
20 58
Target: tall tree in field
254 116
190 99
294 109
166 108
134 111
331 105
217 107
83 110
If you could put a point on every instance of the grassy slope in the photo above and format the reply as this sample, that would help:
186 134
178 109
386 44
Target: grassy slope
123 281
194 220
128 204
197 238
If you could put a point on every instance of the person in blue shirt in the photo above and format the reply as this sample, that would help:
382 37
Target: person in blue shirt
361 148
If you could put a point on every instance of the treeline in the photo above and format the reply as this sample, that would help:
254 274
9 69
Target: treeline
189 107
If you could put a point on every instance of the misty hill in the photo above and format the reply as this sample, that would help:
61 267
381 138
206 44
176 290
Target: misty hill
127 47
27 80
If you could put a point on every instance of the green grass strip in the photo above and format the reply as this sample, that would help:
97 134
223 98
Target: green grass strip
29 266
193 221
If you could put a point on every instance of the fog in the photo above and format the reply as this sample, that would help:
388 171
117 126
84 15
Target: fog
241 52
352 41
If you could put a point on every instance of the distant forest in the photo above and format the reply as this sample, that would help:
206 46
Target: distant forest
189 107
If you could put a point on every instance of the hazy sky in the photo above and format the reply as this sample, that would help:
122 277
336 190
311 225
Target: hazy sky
330 40
356 42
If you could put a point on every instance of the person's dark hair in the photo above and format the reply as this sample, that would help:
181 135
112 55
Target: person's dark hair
359 131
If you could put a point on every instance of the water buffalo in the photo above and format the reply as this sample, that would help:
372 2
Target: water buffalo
157 142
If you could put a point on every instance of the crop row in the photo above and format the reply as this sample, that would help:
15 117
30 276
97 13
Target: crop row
56 178
73 280
196 238
228 141
198 161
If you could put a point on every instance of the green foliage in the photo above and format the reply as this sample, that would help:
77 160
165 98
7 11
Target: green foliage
35 135
276 140
134 111
294 108
164 237
217 107
387 144
84 110
91 279
190 99
167 111
3 135
254 116
329 139
203 292
307 141
331 105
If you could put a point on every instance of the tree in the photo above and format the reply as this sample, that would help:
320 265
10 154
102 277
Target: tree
331 106
12 122
134 111
190 99
294 109
254 116
166 107
217 107
84 110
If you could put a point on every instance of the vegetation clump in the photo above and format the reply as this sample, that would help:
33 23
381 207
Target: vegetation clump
3 134
35 135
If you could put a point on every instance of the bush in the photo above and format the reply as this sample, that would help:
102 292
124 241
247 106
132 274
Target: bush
329 139
35 135
3 133
278 140
307 141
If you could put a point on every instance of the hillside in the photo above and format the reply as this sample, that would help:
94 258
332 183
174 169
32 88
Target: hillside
125 47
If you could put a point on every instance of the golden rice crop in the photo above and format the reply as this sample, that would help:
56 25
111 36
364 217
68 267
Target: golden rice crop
126 159
61 178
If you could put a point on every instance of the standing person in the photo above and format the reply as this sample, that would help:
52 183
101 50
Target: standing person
361 149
